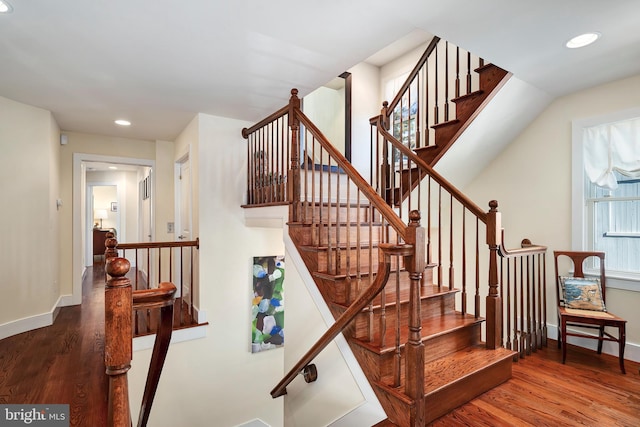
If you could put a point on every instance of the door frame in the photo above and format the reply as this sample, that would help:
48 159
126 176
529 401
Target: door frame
79 218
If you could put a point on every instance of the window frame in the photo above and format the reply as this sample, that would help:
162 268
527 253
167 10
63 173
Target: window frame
579 233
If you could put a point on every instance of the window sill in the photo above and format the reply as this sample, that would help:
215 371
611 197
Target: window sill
615 280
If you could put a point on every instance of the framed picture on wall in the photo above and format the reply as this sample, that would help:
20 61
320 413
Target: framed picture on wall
114 206
267 303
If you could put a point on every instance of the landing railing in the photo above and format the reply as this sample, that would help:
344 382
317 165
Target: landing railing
156 262
523 286
120 301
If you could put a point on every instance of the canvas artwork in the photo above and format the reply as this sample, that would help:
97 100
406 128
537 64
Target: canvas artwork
267 305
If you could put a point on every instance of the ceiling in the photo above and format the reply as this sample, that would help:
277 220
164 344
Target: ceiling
158 63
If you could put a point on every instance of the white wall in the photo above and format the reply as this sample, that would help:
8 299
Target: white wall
30 187
220 371
531 180
364 105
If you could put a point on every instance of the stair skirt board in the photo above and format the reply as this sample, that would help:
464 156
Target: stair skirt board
370 411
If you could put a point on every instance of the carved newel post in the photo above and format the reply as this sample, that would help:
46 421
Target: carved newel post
494 302
294 171
118 306
415 265
110 244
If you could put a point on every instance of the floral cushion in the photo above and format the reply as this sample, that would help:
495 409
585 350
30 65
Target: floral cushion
582 293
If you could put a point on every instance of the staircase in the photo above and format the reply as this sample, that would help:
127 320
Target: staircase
457 365
408 298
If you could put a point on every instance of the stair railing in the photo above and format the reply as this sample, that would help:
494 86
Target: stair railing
157 262
443 74
329 197
120 301
455 226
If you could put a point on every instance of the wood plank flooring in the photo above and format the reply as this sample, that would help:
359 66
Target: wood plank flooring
64 363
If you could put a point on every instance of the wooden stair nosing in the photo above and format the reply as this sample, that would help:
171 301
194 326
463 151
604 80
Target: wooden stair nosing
440 397
429 331
431 291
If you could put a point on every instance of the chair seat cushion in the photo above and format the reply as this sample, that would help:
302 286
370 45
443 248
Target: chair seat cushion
582 293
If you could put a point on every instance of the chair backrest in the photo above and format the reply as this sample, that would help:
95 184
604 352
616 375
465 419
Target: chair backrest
578 258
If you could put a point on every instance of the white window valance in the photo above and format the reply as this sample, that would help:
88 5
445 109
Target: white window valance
612 147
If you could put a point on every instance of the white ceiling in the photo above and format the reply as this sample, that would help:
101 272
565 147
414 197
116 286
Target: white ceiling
158 63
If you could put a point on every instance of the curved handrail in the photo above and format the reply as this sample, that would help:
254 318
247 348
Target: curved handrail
457 194
527 248
162 297
281 112
370 193
434 41
341 322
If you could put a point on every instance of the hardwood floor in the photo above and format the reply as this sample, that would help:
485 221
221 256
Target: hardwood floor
63 363
589 390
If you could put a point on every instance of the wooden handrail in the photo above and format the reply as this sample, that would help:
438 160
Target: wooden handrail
120 301
414 73
162 297
363 300
526 248
442 181
152 245
281 112
369 192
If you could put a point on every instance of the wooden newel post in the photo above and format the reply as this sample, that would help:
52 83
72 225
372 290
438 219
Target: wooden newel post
110 244
414 366
118 307
294 171
494 301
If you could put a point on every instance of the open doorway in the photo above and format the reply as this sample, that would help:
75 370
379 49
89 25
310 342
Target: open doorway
92 173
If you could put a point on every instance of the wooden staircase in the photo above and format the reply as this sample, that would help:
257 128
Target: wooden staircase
432 322
457 367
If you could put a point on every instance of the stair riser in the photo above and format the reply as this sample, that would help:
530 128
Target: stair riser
321 235
430 307
350 261
446 399
341 287
382 366
333 214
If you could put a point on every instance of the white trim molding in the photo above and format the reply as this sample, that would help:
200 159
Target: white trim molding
631 350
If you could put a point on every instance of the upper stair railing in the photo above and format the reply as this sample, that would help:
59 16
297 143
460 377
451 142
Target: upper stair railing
157 262
455 226
120 301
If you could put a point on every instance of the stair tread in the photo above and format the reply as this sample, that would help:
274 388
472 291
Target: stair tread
431 328
446 370
454 367
468 95
428 291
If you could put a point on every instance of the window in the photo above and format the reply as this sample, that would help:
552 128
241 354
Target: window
606 184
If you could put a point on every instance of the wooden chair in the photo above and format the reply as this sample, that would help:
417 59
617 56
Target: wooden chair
586 318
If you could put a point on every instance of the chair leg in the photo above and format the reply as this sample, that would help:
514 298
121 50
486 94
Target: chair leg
564 340
622 337
560 334
600 341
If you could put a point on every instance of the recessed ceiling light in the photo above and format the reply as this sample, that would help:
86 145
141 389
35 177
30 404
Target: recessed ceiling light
122 122
582 40
5 7
113 167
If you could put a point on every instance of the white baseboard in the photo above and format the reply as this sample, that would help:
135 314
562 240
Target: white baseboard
254 423
631 350
30 323
180 335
